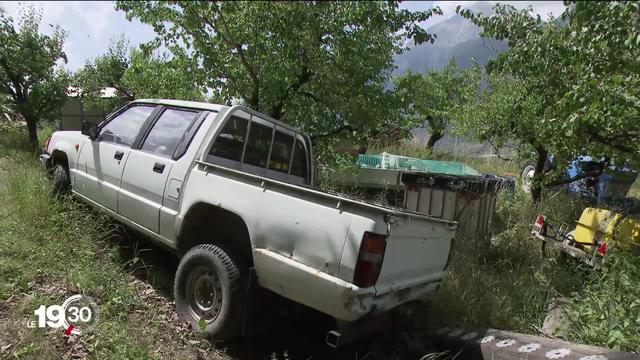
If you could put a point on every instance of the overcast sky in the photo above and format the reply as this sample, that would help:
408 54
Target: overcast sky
90 25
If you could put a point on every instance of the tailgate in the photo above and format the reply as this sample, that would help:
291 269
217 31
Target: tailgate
417 252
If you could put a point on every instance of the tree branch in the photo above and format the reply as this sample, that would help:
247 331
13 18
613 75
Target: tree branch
609 142
254 101
17 91
122 90
303 77
332 132
581 176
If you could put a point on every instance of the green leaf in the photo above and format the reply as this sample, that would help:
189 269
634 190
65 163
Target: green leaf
202 325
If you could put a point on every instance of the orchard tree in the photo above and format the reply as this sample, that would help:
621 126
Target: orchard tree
30 79
503 114
537 59
106 70
319 65
433 99
584 71
603 102
139 73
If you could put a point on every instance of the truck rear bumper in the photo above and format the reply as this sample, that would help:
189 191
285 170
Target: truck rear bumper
329 294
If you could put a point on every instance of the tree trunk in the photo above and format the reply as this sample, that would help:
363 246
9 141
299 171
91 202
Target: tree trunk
536 187
362 149
433 138
32 129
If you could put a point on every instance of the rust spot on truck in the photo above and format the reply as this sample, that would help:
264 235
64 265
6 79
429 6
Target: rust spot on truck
358 302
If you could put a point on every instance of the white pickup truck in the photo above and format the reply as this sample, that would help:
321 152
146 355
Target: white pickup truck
230 191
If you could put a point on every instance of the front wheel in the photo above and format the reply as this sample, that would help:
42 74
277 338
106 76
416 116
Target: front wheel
209 292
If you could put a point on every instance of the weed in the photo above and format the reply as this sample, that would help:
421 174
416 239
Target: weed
54 247
607 311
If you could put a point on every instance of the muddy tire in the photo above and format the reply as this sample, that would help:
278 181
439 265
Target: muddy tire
61 179
209 292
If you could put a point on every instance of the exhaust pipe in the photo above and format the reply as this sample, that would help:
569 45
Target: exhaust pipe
333 339
355 330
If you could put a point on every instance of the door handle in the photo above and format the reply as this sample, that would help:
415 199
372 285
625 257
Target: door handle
118 155
159 168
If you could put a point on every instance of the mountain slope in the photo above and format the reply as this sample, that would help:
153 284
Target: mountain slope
456 37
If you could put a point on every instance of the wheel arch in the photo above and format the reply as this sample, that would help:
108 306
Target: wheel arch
209 224
59 157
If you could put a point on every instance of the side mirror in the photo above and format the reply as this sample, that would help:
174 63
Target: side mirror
90 129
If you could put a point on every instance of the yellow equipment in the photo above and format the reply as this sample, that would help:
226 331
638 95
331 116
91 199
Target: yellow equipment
602 225
595 232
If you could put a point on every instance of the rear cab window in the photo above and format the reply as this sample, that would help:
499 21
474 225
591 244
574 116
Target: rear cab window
260 147
300 164
228 147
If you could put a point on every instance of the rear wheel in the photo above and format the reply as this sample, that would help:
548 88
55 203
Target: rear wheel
61 179
526 178
209 292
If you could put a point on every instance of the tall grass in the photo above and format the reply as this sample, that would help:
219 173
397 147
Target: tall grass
53 247
607 311
508 286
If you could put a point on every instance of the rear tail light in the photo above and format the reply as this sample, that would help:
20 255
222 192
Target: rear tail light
602 249
539 225
370 259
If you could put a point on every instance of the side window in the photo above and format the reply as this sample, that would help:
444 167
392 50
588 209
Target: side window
258 145
281 152
164 137
124 128
299 164
230 141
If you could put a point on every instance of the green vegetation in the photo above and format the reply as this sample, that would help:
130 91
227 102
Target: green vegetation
321 66
511 286
607 311
432 99
52 248
576 76
30 81
136 73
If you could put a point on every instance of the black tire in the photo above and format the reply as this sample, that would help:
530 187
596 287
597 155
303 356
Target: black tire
61 179
207 268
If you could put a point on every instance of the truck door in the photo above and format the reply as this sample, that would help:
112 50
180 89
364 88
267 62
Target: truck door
101 161
147 169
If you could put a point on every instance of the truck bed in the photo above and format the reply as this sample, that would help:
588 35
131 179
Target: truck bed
304 237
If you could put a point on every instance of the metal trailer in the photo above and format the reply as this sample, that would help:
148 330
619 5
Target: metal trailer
445 189
470 200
